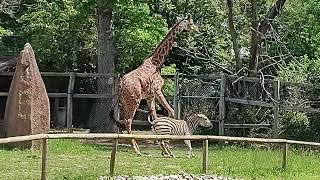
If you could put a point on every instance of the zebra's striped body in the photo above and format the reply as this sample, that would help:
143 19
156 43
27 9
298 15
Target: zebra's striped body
170 126
165 126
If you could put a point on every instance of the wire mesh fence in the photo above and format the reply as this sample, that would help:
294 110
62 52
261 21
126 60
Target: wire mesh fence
301 111
249 88
83 99
247 107
199 95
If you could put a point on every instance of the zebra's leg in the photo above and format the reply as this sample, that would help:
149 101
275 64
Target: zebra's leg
188 143
168 149
163 148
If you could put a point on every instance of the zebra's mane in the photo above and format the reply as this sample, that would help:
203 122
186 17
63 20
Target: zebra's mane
193 121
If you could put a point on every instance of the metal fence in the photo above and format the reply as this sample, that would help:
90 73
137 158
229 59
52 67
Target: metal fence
243 103
233 103
77 100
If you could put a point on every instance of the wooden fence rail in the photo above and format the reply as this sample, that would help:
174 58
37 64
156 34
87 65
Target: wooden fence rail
115 137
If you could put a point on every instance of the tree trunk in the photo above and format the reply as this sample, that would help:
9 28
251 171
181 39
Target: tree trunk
259 29
234 36
99 119
255 48
105 45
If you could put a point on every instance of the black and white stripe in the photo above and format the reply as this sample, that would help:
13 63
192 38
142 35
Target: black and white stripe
170 126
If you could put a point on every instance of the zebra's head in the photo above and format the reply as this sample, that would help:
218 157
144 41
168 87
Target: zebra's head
203 120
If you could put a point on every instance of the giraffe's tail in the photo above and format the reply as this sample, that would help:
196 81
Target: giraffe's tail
150 121
152 125
111 115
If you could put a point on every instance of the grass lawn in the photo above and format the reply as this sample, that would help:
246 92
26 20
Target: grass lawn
71 159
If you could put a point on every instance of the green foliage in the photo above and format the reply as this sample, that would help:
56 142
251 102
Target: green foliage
297 125
62 38
301 70
168 87
295 71
301 27
136 32
213 39
4 32
63 33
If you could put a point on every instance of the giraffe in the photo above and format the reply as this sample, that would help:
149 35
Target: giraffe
145 82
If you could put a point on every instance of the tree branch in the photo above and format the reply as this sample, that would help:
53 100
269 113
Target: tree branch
260 29
200 56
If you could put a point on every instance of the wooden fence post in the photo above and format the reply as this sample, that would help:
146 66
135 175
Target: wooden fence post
205 150
275 128
44 164
113 156
222 106
285 155
69 101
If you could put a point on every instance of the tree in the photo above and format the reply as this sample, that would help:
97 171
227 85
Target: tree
137 31
101 122
206 52
105 47
63 38
234 36
9 6
259 29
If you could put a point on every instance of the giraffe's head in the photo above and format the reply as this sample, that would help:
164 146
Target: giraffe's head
188 24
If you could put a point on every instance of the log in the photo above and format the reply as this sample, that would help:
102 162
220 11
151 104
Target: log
44 166
113 156
205 150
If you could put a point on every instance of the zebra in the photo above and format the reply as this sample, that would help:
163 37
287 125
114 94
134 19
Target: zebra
170 126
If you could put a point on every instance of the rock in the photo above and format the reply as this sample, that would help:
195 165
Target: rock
181 176
28 108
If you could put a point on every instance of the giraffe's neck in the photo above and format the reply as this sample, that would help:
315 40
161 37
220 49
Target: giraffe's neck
163 49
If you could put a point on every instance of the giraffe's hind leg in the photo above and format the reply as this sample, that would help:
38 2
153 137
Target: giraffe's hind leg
133 142
129 112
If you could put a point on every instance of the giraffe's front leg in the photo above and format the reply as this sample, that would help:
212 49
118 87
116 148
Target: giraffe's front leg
160 97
